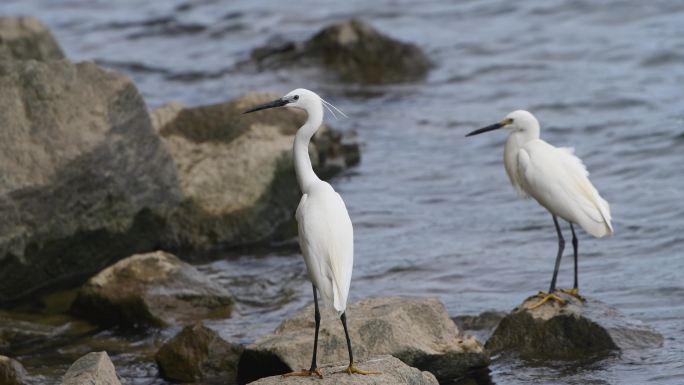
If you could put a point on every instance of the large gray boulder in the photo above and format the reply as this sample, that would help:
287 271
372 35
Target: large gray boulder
11 372
198 353
236 173
25 38
354 51
153 289
417 331
84 179
92 369
574 330
392 372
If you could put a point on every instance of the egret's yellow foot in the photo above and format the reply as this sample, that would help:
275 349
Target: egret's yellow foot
573 292
351 369
546 297
305 373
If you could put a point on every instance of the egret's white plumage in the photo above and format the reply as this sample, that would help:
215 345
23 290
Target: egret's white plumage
553 176
326 235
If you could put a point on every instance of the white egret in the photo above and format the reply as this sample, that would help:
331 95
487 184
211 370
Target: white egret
326 235
557 180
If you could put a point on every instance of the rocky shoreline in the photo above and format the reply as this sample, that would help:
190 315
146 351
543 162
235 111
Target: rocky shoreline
95 189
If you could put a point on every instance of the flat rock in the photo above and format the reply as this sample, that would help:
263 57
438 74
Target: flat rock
198 353
11 372
153 289
417 331
236 172
572 331
354 51
393 372
92 369
84 178
25 38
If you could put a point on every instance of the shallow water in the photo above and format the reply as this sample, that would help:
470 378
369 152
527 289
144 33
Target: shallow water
434 213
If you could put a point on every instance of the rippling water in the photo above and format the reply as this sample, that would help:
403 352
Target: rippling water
434 213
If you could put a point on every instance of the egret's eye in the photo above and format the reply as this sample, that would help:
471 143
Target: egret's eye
296 97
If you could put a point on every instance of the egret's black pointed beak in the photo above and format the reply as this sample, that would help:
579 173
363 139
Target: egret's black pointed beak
492 127
273 104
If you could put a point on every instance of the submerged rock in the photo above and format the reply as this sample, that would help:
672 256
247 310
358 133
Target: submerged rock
355 52
11 372
153 289
392 372
92 369
25 38
236 173
198 353
480 326
84 178
572 331
417 331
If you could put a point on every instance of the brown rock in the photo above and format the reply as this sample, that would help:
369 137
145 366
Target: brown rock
354 51
391 372
153 289
84 179
236 172
92 369
417 331
25 38
11 372
198 353
572 331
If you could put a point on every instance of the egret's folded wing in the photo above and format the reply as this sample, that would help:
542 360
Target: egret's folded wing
558 180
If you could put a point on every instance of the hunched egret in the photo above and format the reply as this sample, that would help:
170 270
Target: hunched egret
326 236
557 180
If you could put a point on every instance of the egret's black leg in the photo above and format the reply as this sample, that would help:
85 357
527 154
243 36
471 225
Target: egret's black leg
351 369
561 247
574 250
317 319
343 318
314 371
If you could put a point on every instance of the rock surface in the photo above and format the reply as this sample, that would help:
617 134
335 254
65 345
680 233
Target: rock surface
392 372
198 353
236 172
153 289
417 331
84 178
25 38
571 331
480 326
354 51
92 369
11 372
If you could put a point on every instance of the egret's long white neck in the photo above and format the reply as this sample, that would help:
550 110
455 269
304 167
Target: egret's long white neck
303 168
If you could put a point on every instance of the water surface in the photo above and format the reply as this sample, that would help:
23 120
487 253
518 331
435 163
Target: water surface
434 213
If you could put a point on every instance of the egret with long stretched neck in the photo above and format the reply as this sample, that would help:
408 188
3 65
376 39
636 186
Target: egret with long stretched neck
326 236
557 180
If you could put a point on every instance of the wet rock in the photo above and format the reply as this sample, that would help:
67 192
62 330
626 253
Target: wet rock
392 372
11 372
354 51
480 326
92 369
572 331
25 38
153 289
198 353
236 172
84 179
417 331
